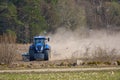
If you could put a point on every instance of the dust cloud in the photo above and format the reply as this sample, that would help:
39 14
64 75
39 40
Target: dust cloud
67 44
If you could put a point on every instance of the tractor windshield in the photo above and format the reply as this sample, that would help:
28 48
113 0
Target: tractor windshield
39 40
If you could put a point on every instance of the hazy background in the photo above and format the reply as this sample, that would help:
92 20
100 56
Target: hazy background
66 44
27 18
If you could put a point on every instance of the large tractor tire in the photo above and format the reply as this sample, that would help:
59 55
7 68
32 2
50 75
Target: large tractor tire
31 53
47 55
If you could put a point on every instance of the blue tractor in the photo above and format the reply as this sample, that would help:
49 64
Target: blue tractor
39 50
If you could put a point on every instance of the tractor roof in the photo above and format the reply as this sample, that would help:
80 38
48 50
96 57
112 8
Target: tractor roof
40 37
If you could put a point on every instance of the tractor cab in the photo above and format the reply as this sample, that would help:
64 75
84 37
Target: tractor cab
39 40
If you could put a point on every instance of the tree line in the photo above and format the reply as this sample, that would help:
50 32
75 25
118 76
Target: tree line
27 18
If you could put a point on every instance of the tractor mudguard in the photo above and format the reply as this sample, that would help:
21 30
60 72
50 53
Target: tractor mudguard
47 47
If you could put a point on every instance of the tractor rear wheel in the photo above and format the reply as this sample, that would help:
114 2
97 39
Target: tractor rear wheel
31 53
46 56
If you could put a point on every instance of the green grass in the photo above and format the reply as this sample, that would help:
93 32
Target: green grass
101 75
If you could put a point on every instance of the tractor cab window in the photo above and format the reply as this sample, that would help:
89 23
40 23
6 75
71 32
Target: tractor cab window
38 40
